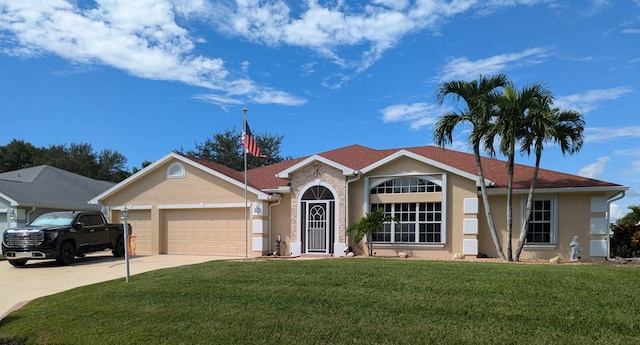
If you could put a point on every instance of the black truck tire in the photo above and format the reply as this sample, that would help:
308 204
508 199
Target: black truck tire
67 254
118 251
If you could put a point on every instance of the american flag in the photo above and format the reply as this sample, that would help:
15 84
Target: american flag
249 142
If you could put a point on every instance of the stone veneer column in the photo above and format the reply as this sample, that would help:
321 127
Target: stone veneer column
332 178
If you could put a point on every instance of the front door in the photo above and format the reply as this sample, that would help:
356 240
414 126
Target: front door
317 227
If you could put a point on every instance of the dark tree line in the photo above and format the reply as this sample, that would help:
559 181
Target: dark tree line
81 159
109 165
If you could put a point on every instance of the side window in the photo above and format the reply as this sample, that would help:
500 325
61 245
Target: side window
95 219
542 222
85 220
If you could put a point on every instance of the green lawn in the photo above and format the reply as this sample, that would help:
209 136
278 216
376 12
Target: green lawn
342 301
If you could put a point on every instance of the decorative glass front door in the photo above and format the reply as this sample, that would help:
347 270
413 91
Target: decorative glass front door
317 227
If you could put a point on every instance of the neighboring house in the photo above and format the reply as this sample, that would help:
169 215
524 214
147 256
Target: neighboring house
182 205
28 193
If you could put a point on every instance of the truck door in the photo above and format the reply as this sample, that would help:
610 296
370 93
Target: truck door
94 230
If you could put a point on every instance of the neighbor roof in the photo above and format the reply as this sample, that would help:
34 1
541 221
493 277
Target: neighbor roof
47 186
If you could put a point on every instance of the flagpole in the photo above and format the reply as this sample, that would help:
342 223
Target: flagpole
246 205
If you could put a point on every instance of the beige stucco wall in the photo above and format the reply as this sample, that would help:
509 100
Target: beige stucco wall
573 215
197 187
457 189
280 218
158 194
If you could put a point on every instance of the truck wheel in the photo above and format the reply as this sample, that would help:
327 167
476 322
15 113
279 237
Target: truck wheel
118 251
18 263
67 254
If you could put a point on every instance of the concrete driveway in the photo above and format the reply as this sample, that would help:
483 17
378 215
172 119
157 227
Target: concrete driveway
19 285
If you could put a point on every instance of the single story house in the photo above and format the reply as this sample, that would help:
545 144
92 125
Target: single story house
27 193
183 205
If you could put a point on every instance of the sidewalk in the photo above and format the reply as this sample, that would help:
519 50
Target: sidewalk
19 285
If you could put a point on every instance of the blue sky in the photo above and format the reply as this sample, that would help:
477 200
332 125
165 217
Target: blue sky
146 77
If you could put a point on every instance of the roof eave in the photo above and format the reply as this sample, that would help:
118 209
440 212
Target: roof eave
279 190
597 189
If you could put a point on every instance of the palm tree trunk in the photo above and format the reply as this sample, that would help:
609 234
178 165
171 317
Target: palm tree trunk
510 170
487 206
527 213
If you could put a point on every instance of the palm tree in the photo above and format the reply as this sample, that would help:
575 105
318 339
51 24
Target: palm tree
479 96
370 223
509 124
545 124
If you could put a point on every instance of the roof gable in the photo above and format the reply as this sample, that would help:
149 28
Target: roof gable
220 171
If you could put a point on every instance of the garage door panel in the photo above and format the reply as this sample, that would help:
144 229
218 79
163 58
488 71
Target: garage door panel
140 220
205 232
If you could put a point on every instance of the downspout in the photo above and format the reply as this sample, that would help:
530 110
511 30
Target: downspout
358 175
270 227
616 197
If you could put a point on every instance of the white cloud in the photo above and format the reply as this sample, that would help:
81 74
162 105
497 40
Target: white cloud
599 134
144 37
589 100
595 169
308 68
335 81
374 27
245 66
616 212
463 68
417 114
140 37
632 161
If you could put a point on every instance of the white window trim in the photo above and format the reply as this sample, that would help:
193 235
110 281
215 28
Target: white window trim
416 231
554 222
401 245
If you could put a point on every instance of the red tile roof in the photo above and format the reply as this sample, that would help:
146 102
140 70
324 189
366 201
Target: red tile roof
359 157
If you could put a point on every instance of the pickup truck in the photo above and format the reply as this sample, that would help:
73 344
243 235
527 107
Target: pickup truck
62 236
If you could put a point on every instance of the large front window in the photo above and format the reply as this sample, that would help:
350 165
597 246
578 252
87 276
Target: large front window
417 222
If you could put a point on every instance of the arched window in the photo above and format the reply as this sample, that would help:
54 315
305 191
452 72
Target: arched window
317 193
176 170
404 185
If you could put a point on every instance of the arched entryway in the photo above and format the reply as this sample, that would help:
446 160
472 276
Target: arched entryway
317 226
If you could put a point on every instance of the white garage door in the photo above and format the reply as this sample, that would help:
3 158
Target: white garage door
141 222
205 232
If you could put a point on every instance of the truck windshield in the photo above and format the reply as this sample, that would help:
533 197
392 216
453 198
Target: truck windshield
54 219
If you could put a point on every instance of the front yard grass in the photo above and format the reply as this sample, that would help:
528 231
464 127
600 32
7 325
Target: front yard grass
342 301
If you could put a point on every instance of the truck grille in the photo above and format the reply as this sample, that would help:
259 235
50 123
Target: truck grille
21 240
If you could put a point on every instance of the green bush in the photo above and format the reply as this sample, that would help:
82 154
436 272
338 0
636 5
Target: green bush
625 241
